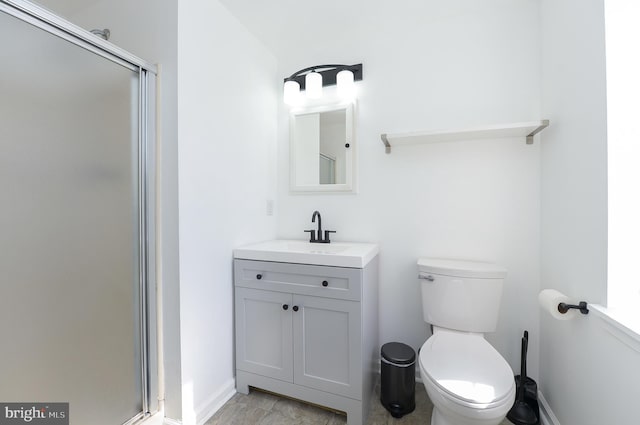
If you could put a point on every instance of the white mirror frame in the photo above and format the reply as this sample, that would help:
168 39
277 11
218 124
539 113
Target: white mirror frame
350 184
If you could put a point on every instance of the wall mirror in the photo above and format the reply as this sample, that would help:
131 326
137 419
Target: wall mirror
322 147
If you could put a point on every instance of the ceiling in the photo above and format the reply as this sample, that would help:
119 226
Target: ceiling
288 25
281 25
327 30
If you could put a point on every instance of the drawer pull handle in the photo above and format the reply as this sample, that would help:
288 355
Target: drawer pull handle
285 307
325 283
258 276
295 308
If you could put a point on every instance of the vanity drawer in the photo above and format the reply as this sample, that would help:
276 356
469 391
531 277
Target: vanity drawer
322 281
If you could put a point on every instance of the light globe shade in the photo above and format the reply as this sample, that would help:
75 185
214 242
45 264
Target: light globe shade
346 86
313 85
291 92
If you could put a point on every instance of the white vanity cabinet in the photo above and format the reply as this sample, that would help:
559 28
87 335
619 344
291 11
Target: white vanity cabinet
308 332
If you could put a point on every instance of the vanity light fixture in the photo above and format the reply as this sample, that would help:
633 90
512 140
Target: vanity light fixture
313 85
291 92
314 78
345 84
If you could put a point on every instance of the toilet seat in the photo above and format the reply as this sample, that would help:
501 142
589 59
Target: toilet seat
467 369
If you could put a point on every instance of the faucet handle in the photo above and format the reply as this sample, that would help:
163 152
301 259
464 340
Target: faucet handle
326 235
312 235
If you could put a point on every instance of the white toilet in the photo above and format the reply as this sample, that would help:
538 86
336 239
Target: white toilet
467 380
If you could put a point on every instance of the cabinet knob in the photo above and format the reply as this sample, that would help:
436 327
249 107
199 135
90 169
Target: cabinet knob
295 308
325 283
285 307
258 276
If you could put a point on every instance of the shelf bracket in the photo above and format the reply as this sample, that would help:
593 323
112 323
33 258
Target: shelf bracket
387 145
544 124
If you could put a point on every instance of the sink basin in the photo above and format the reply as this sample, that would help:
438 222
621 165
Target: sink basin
315 248
337 254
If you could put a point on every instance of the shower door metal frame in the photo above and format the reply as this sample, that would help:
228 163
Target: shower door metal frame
55 25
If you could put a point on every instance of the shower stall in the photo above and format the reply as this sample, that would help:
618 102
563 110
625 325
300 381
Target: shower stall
77 227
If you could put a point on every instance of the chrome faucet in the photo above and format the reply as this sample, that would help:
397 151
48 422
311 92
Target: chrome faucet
316 235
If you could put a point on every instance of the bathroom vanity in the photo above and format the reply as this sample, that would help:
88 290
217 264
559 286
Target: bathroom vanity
306 322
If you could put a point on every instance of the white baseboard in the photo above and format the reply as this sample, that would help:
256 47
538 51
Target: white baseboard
206 410
547 417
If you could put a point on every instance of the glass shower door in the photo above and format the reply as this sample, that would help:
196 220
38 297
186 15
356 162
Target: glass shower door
70 262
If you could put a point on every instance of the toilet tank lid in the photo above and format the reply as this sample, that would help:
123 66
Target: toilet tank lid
461 268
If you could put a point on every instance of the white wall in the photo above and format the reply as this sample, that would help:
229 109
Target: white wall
433 65
227 100
587 375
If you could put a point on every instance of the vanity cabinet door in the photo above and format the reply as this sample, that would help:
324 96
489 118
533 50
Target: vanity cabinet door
327 345
263 333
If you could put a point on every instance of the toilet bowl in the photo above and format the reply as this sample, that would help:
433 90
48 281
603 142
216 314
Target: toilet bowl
467 380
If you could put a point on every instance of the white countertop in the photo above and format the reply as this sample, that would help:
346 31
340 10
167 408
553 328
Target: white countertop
336 254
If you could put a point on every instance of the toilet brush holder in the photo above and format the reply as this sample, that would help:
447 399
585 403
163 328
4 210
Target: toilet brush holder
525 410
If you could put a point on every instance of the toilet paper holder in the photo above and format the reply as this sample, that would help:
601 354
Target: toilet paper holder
582 306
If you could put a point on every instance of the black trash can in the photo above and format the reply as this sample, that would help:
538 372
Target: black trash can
398 378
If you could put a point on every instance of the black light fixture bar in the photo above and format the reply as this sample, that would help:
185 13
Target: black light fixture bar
328 72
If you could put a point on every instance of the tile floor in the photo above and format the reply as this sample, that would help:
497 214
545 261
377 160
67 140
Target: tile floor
260 408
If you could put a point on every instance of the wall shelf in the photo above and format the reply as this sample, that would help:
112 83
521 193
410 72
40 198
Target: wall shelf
522 129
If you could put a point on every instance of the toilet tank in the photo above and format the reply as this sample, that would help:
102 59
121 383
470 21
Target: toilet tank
461 295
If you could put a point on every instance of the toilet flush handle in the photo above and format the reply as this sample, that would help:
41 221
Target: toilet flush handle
427 278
